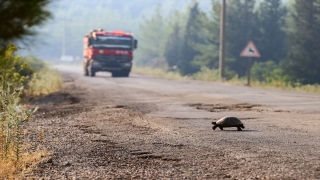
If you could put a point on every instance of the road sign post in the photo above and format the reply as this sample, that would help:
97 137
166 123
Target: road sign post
250 51
249 70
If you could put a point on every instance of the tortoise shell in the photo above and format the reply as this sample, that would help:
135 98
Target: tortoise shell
229 122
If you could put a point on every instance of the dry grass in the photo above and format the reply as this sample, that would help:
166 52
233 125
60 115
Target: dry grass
46 81
11 169
283 86
13 157
207 75
15 160
158 72
213 76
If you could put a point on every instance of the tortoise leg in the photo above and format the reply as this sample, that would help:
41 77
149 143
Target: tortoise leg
239 128
214 127
220 127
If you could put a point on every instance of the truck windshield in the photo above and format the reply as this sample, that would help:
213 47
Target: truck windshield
112 42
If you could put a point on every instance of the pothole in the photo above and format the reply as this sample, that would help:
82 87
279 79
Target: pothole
224 107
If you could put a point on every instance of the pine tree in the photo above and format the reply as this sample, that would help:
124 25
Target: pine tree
191 36
272 41
18 19
152 36
241 28
172 51
303 62
209 49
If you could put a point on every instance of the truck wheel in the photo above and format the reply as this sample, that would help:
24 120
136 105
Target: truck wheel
85 71
92 73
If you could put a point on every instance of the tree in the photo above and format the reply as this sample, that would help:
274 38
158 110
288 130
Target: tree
176 22
209 48
272 41
152 36
18 19
191 37
81 16
242 24
173 46
303 62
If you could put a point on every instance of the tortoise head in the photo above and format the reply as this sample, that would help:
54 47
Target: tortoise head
214 123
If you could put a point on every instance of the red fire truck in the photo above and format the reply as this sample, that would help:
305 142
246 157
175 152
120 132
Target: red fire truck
110 51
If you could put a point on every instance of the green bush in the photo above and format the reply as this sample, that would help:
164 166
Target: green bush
206 74
36 63
37 77
12 115
46 81
271 73
12 68
262 70
13 72
29 76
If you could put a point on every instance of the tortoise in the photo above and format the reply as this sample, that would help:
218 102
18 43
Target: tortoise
228 122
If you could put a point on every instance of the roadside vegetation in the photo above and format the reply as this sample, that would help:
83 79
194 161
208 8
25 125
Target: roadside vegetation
213 76
20 77
44 80
187 41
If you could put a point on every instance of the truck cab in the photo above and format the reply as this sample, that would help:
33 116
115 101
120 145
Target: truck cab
108 51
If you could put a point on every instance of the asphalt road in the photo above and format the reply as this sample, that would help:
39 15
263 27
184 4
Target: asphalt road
281 139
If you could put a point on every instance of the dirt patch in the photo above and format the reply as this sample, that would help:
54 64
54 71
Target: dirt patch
61 103
223 107
143 107
57 98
